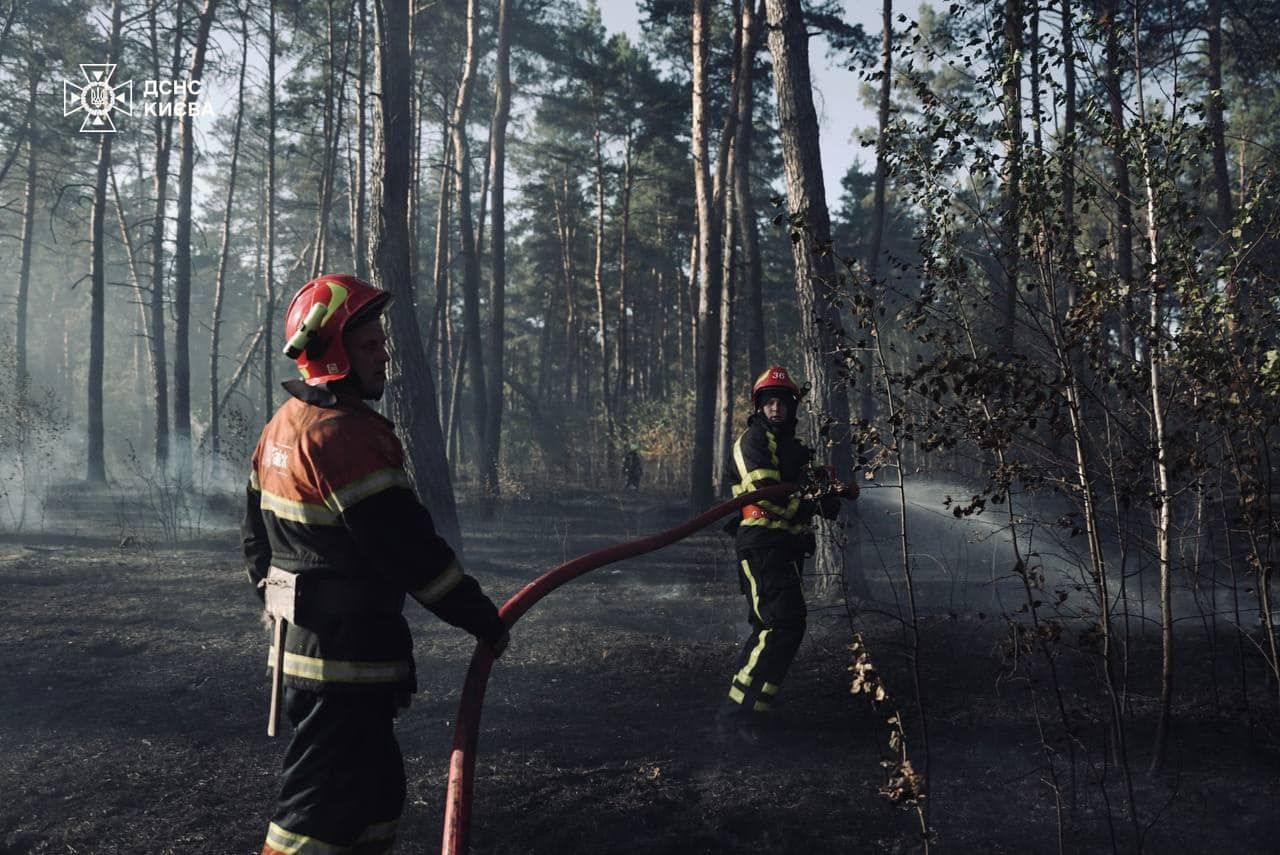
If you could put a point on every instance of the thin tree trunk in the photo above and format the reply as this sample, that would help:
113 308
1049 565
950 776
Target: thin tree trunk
1237 286
96 471
723 435
1120 167
219 286
358 232
494 361
182 260
156 327
1011 191
623 383
28 232
597 279
470 260
412 394
269 268
1155 359
708 267
438 339
879 213
748 226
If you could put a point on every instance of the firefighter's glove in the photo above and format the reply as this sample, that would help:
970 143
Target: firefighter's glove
849 491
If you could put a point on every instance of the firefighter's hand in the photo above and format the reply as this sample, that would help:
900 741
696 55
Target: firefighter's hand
850 491
498 645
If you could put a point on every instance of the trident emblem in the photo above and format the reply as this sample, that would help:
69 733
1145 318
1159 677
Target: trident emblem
97 98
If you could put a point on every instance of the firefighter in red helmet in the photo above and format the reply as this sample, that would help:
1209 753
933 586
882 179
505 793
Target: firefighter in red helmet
334 540
771 542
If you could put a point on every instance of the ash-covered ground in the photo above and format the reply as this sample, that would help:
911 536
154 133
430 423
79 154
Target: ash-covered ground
133 700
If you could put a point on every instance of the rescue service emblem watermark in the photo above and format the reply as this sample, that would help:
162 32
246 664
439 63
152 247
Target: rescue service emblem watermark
97 98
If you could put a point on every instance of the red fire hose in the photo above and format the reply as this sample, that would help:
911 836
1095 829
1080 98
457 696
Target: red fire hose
462 760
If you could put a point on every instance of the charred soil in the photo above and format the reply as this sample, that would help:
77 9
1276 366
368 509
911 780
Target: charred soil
133 697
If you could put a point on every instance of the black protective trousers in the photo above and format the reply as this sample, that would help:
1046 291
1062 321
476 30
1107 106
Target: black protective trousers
343 785
770 578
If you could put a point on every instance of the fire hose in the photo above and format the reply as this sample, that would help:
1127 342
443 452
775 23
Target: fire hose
462 759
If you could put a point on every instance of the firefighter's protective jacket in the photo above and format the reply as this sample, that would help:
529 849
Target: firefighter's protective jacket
329 500
763 455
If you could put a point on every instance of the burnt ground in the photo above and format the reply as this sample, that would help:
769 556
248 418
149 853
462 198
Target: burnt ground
133 700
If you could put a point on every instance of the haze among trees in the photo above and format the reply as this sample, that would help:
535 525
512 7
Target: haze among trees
1050 276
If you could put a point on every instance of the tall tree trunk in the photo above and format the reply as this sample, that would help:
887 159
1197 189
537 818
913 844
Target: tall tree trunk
623 382
97 468
470 259
156 326
412 394
1120 168
597 279
494 361
1011 180
815 274
329 153
748 225
269 265
708 269
359 234
731 152
1237 286
438 337
182 260
723 435
1155 369
219 285
879 206
28 233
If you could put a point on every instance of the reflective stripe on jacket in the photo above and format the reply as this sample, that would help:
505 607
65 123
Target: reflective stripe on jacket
329 499
762 457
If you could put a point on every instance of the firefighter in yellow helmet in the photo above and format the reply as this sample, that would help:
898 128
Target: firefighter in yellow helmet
771 542
335 538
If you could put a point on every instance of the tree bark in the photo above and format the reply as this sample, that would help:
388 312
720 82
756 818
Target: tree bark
412 393
182 261
708 269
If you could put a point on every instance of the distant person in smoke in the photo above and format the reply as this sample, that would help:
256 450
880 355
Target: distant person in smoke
771 542
632 469
334 539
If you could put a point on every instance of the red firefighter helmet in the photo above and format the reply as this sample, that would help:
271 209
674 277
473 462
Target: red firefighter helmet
777 379
317 317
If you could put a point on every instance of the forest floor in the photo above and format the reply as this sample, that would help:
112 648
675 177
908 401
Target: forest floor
133 704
